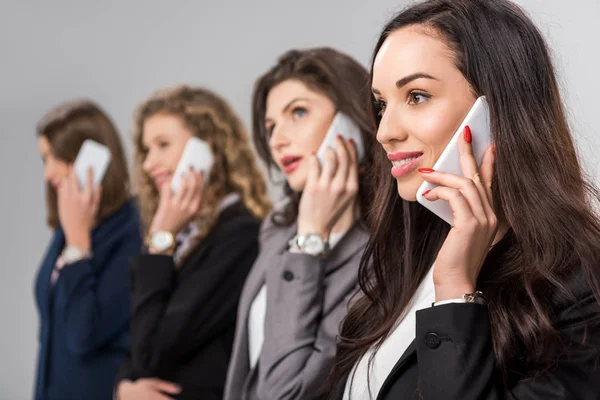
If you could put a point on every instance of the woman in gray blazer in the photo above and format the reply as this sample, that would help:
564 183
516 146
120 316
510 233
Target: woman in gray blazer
298 290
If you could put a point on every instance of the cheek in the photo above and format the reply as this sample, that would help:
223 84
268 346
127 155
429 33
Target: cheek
435 132
312 134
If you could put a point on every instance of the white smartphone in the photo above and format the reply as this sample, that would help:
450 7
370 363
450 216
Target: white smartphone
197 155
95 155
478 120
345 126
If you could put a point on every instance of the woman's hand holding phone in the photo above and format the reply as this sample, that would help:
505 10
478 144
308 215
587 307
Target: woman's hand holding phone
77 209
147 389
459 261
176 210
328 190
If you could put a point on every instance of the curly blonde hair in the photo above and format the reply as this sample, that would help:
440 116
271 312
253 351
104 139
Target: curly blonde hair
235 170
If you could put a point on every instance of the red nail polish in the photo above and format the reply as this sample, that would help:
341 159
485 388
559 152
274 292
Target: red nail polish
425 193
467 134
340 137
426 170
351 141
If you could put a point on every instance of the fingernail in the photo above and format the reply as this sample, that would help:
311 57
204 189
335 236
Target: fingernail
425 193
467 134
340 137
351 141
426 170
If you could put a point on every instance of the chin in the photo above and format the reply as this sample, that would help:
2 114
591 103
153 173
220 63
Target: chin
297 184
408 190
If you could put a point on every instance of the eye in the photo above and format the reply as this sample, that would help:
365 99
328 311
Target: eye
380 106
299 112
415 98
269 130
163 144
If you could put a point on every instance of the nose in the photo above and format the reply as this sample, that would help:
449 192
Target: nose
149 162
391 127
48 170
279 138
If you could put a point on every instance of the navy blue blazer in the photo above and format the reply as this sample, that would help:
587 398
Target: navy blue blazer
84 316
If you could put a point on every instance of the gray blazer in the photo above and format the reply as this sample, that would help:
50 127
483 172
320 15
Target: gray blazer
306 301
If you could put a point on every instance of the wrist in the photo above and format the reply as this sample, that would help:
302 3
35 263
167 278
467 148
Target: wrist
314 230
80 239
450 291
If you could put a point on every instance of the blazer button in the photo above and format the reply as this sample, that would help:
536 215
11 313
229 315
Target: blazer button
432 340
288 276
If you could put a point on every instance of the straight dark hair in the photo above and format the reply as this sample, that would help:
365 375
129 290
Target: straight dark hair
345 82
538 187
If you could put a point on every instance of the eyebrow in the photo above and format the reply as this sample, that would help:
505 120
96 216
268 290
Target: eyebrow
288 105
407 79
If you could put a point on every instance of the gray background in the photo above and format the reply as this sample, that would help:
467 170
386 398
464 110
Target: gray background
119 52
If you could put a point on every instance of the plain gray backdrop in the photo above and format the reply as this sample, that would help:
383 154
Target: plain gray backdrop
118 52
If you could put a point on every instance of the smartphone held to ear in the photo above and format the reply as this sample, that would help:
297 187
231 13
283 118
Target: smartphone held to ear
342 125
478 120
91 155
197 156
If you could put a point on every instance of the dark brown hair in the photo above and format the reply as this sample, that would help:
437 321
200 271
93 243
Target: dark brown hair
538 187
66 127
339 77
209 117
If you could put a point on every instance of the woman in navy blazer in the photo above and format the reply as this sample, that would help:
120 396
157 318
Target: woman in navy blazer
82 286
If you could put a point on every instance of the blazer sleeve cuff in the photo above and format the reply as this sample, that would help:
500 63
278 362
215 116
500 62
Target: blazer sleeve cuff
73 275
453 341
294 293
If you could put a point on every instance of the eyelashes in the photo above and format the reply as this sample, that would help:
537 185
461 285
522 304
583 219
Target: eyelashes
413 98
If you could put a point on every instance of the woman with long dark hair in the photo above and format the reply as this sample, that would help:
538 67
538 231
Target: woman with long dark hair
504 304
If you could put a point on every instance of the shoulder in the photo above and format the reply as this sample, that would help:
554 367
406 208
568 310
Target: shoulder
236 220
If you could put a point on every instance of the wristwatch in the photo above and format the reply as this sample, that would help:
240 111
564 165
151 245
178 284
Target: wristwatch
477 298
72 254
311 244
160 241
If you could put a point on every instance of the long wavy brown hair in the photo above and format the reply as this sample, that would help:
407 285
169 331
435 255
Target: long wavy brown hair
66 127
345 82
538 187
210 118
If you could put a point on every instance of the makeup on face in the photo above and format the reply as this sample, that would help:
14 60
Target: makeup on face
164 139
421 98
296 119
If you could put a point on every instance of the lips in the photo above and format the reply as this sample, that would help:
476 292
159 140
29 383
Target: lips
160 178
290 163
404 162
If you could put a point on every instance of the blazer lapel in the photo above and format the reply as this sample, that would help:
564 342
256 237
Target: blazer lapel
408 354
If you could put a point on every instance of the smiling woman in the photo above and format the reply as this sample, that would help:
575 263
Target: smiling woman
201 242
503 304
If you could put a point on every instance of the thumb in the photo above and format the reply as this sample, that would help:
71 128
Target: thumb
166 386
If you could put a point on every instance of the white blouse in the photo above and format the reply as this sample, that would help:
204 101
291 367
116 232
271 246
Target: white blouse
258 311
391 349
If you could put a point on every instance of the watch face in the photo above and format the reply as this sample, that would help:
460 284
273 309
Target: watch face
313 244
161 240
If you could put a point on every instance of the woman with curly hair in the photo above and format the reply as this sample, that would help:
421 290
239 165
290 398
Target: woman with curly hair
201 242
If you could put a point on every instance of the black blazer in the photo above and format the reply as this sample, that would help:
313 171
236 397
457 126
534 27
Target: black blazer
183 320
452 356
